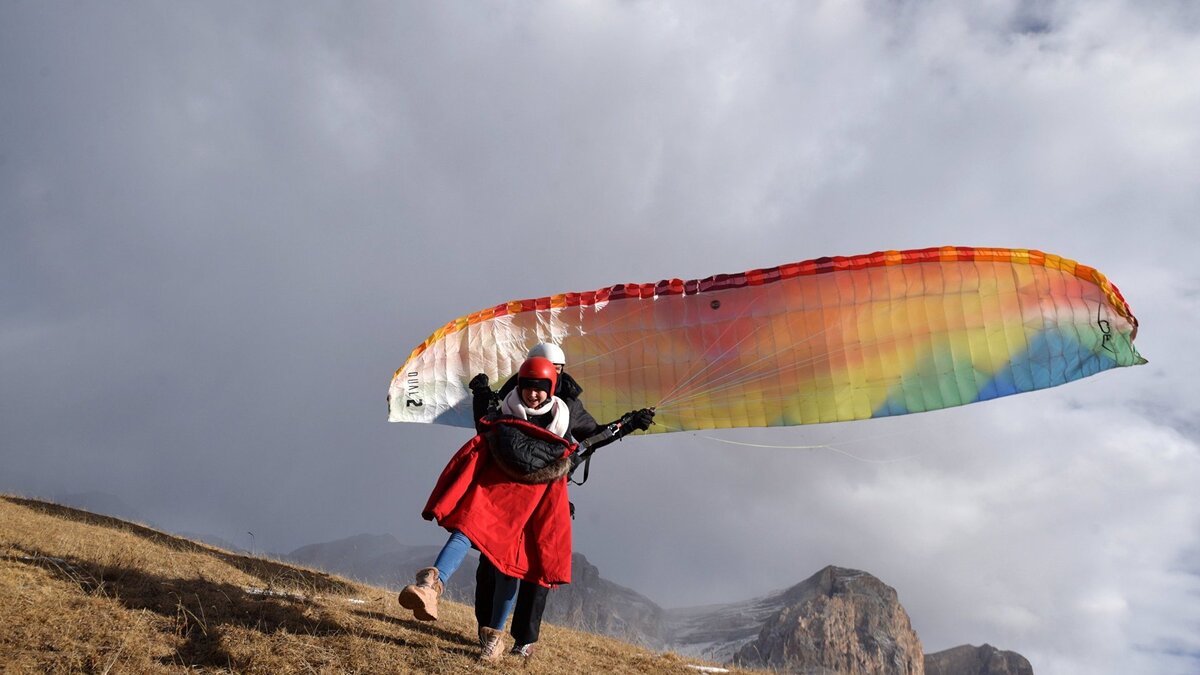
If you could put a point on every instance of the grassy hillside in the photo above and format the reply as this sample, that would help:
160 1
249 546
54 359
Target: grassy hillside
81 592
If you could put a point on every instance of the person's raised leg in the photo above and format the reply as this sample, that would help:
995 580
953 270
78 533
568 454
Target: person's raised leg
422 596
452 555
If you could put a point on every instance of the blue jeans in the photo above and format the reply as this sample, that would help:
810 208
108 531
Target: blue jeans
505 594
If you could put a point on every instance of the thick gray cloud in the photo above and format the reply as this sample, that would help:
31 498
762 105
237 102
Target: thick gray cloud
222 226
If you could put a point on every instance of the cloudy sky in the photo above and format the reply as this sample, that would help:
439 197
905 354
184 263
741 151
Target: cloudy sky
223 226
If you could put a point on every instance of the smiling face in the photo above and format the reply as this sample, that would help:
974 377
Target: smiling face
535 381
533 398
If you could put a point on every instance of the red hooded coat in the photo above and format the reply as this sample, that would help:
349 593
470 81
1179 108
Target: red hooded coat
524 529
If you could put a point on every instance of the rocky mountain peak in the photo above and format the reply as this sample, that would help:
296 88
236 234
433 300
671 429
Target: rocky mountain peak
837 621
972 660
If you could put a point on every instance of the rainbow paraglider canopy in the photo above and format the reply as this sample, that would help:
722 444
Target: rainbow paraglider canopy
825 340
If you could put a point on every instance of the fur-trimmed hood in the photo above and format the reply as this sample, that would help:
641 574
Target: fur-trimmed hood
526 452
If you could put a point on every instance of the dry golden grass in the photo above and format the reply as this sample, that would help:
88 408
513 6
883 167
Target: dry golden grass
83 593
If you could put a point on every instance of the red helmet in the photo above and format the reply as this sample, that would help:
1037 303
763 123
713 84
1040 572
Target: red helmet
538 373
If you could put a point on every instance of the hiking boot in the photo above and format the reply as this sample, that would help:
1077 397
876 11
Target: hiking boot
422 597
524 651
493 644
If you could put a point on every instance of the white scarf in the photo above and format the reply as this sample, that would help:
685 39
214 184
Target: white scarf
512 405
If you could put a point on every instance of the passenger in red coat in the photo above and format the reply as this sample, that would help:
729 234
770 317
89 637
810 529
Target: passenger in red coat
521 522
505 494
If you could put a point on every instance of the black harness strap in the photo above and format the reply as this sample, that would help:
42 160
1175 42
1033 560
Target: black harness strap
589 448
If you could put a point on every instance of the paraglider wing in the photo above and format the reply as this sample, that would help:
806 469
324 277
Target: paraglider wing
825 340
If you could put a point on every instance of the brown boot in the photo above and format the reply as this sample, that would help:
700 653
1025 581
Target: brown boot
493 644
422 597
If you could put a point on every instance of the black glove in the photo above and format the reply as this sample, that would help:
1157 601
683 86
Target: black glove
639 420
479 383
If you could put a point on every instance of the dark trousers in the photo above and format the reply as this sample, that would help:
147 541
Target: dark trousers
531 603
